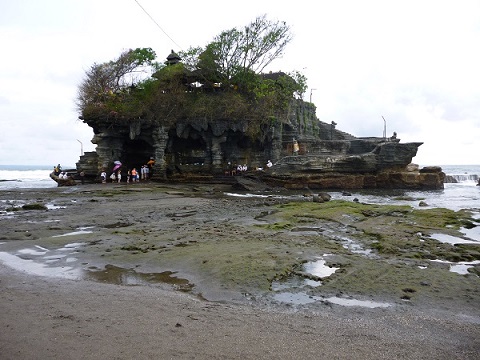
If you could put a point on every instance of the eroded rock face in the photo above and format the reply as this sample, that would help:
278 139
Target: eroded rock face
205 149
387 179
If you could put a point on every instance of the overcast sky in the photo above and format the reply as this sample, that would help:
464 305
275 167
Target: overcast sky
415 63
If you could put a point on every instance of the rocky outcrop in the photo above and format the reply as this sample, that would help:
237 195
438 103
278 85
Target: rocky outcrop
69 181
207 150
384 179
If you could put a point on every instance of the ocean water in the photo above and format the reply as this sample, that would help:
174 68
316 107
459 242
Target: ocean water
25 176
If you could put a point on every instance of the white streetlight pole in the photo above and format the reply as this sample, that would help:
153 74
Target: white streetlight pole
384 128
311 91
81 147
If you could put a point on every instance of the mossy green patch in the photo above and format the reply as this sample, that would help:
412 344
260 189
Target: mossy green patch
392 230
34 206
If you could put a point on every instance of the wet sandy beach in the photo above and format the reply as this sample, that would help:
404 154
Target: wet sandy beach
154 271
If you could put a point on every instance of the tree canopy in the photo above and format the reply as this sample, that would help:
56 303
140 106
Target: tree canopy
230 67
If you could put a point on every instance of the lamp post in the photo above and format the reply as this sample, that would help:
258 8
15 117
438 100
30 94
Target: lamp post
331 129
81 147
311 91
384 128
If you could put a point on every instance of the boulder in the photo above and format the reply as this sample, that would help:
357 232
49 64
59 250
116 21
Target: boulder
250 184
63 182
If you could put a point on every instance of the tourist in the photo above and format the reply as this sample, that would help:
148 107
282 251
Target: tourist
82 177
134 174
147 172
269 164
128 175
142 172
113 177
119 176
296 148
103 176
150 164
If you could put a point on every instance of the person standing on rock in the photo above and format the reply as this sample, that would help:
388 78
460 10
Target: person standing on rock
82 177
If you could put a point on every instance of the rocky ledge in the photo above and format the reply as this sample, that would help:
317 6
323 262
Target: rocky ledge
410 177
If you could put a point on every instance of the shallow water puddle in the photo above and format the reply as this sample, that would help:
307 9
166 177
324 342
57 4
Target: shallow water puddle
59 263
295 298
303 299
319 268
33 267
473 233
315 269
354 247
38 250
80 231
462 267
449 239
54 207
121 276
354 302
71 246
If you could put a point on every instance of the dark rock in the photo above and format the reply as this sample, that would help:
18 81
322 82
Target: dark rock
431 169
325 196
249 184
422 203
450 179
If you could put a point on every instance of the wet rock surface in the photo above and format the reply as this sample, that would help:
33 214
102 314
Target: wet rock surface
243 257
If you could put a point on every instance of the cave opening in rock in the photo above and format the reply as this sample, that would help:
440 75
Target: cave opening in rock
136 153
187 154
241 149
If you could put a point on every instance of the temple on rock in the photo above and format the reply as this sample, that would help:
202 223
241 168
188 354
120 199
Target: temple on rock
191 141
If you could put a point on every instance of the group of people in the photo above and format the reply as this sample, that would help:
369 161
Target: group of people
63 175
57 170
132 175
